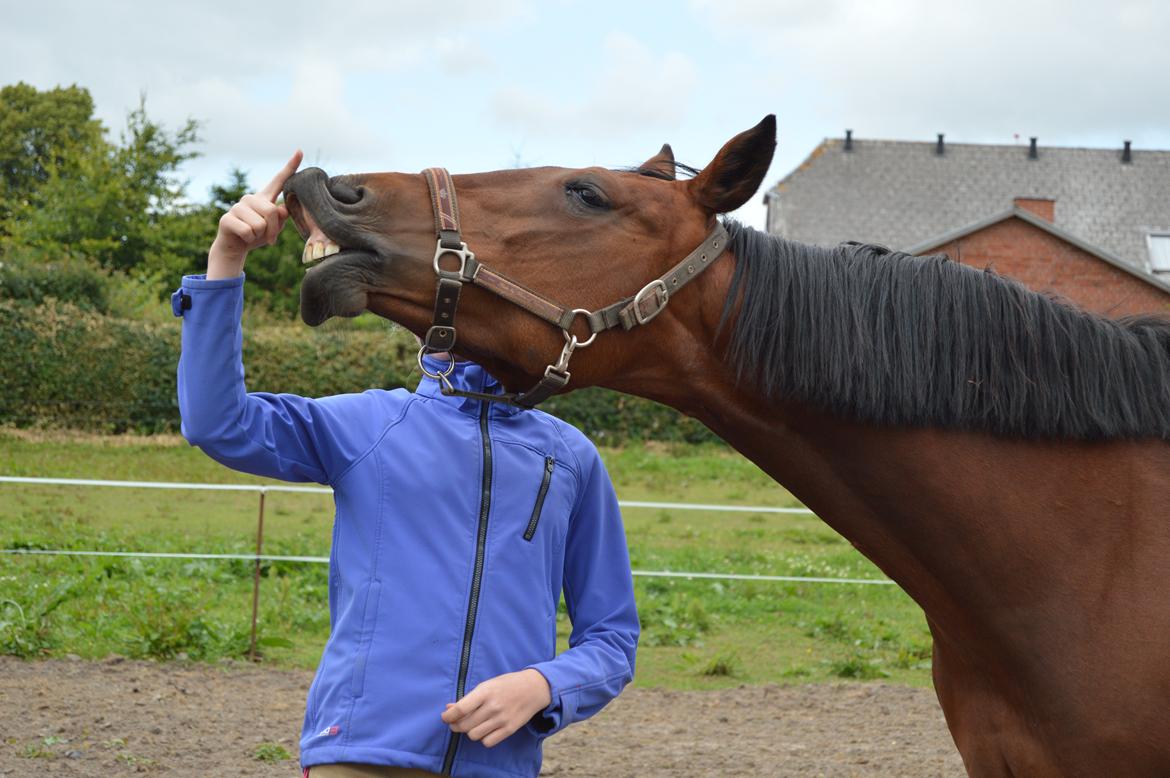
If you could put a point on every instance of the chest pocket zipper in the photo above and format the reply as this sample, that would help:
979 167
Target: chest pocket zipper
549 464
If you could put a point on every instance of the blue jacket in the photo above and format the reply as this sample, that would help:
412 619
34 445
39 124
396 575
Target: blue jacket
458 525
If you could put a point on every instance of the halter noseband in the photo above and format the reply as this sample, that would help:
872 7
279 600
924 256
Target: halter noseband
626 313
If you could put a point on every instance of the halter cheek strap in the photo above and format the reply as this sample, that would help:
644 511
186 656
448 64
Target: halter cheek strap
626 313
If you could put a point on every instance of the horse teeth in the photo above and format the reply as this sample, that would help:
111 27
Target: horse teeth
315 250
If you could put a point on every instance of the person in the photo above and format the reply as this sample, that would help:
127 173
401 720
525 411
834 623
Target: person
459 522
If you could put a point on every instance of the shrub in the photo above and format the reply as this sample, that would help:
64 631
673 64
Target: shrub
75 279
67 366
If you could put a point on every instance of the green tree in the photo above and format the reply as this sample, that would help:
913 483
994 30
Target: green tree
73 194
41 132
101 221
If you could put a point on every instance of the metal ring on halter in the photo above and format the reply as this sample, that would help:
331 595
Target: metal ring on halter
572 339
462 253
442 374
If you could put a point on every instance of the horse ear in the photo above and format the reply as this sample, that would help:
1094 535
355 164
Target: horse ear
737 170
661 164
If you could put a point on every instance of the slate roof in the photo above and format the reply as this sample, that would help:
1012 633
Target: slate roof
902 194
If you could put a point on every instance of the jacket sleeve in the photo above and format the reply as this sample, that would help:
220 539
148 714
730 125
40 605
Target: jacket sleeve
599 594
276 435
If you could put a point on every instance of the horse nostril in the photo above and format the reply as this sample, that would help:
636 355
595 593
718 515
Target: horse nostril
344 192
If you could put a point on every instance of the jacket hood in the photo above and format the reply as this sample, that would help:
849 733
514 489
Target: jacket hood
469 377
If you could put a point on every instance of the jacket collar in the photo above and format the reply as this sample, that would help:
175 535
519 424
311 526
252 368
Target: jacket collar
469 377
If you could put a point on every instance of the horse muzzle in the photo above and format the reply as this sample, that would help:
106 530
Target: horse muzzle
346 260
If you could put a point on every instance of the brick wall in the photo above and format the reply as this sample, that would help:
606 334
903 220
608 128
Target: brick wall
1046 263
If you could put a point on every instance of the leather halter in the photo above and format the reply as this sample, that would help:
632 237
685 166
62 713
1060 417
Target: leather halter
627 313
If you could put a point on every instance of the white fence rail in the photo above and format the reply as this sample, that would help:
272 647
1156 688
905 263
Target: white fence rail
264 489
261 488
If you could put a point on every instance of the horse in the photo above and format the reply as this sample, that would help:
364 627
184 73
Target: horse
1002 455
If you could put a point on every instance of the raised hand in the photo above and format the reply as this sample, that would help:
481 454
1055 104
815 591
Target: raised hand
499 706
256 220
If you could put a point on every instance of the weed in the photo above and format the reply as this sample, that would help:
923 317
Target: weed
140 763
914 657
673 619
725 665
37 751
25 633
271 752
857 667
166 624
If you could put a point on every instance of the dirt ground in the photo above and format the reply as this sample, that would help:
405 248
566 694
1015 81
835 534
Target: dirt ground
119 717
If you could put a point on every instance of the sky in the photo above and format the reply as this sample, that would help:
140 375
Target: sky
476 85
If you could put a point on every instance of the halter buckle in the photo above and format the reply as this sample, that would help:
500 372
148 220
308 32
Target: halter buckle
661 297
462 252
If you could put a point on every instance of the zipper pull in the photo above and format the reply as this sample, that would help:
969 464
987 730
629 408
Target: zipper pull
548 464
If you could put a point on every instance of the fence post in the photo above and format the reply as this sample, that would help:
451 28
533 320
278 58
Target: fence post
256 573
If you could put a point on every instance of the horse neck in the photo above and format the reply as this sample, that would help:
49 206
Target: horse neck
875 489
928 506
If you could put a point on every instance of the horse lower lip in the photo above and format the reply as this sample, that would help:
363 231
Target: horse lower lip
339 285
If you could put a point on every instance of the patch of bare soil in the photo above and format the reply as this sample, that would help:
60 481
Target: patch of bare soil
117 717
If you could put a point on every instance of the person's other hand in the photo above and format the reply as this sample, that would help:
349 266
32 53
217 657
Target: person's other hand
256 220
499 706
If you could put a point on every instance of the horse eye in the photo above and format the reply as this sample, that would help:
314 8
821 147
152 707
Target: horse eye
587 195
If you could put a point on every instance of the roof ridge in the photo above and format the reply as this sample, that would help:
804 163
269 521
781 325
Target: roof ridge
932 144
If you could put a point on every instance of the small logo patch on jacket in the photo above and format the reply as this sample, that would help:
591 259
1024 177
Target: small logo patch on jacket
329 731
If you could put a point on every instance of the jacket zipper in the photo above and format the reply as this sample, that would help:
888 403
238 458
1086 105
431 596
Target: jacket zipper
485 502
549 463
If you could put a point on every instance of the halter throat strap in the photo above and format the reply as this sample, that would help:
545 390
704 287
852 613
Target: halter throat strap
627 313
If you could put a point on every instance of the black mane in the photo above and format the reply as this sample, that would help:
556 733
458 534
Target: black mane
887 338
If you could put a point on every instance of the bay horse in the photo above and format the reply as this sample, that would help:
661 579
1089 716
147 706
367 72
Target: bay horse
1001 455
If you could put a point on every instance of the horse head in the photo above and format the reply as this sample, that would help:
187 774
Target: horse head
583 238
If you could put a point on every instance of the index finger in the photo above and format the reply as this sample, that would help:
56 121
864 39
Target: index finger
273 188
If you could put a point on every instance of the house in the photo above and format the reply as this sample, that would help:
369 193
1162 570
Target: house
1089 225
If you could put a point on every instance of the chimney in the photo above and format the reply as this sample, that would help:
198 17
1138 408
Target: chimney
1033 152
849 140
1126 154
1037 206
939 149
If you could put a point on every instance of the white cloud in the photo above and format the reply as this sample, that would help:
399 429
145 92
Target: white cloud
635 90
461 55
262 79
906 68
312 115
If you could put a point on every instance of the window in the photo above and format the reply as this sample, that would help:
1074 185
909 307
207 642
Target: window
1159 251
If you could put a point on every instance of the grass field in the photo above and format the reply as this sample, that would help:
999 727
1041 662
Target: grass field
696 634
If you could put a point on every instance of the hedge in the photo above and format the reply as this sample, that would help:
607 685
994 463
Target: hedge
62 366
